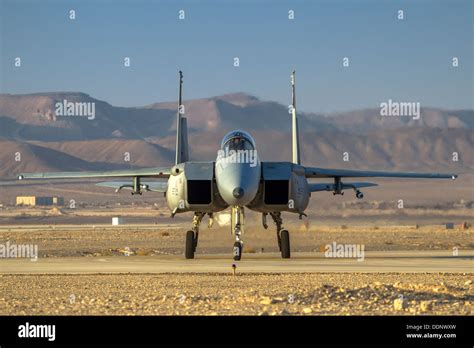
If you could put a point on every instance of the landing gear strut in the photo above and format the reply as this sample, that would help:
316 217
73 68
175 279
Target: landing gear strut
192 236
283 236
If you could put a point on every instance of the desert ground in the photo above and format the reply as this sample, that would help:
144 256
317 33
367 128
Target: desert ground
422 268
413 264
249 294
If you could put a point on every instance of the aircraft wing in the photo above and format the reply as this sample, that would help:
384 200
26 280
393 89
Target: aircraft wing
315 187
155 186
312 172
157 172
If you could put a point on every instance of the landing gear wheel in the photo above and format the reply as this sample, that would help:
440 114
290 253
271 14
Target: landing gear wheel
190 245
285 244
196 235
237 251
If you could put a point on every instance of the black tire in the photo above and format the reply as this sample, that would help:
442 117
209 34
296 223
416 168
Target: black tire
237 251
189 251
285 244
195 241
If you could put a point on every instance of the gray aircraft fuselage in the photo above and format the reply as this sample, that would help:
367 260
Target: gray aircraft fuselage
238 172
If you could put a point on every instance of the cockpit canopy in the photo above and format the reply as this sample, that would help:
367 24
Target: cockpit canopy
237 140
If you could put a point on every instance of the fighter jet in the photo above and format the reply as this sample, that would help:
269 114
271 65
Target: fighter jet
236 179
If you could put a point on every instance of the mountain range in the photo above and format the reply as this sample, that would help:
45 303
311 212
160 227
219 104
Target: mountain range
34 138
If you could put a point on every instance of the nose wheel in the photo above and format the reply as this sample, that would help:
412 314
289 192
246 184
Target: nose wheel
237 226
237 251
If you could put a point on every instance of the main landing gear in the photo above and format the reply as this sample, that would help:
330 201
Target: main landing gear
283 236
192 235
237 229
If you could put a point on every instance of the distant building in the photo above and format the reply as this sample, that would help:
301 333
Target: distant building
34 200
117 220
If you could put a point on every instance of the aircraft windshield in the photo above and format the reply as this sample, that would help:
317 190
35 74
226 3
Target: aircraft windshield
238 143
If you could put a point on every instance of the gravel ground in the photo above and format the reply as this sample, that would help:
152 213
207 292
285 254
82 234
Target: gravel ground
249 294
101 240
243 294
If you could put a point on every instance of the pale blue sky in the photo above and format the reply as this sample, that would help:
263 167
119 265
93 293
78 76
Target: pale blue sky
407 60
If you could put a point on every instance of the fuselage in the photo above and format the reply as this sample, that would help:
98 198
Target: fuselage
237 178
238 168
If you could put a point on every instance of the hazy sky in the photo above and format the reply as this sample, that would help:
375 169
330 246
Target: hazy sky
403 60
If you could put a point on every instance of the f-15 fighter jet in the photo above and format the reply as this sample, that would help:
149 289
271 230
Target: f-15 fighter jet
236 179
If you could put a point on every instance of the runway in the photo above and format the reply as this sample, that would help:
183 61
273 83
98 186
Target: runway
377 261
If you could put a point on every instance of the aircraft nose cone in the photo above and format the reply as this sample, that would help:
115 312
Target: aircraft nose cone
238 192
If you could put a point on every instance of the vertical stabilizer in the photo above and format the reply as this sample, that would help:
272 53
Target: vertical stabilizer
182 153
184 140
295 142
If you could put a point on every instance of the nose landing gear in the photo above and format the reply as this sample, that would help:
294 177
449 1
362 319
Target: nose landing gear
237 251
237 226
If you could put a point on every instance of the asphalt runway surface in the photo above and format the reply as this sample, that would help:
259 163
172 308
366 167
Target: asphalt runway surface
377 261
